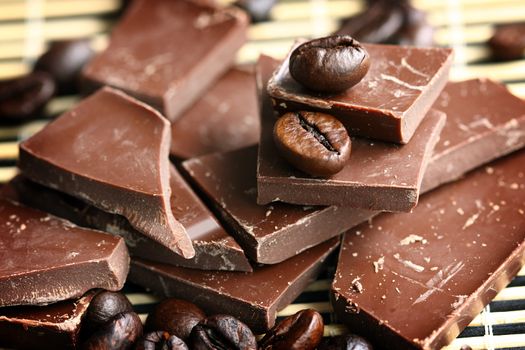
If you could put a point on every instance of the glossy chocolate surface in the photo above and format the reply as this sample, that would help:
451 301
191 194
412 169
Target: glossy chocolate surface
225 118
388 104
54 326
46 259
426 275
378 175
166 53
112 152
253 297
484 121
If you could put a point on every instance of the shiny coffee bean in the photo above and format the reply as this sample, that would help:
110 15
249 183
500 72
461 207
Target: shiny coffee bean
331 64
508 42
160 340
175 316
344 342
316 143
222 332
302 331
259 10
104 306
120 333
26 96
63 61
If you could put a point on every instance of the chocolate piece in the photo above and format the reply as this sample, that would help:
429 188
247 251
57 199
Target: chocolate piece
112 152
485 122
427 274
253 297
388 104
46 259
508 42
214 248
225 118
378 175
54 326
167 53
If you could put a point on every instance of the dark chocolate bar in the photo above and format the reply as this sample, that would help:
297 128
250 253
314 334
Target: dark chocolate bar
168 52
225 118
388 104
46 259
112 152
415 281
378 175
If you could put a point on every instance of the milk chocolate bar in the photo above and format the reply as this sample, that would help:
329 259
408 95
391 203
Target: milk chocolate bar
388 104
168 52
378 175
225 118
112 152
415 281
46 259
253 297
54 326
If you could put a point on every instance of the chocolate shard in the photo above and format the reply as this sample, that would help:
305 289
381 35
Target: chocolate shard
225 118
46 259
167 53
112 152
427 274
214 248
54 326
378 175
389 103
253 297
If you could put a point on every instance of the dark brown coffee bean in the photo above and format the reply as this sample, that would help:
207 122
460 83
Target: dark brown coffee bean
302 331
175 316
63 61
222 332
344 342
508 42
330 64
465 347
120 333
104 306
160 340
26 96
259 10
316 143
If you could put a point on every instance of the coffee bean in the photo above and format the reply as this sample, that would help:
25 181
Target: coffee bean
63 61
316 143
26 96
344 342
302 331
222 332
120 333
330 64
104 306
508 42
160 340
259 10
175 316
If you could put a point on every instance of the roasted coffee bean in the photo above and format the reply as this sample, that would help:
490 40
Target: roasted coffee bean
508 42
175 316
104 306
302 331
26 96
329 64
465 347
344 342
63 61
222 332
259 10
160 340
316 143
120 333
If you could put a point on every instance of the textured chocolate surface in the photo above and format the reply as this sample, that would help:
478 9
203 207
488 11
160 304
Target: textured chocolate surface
225 118
112 152
378 175
253 297
484 122
166 53
46 259
214 248
388 104
414 281
54 326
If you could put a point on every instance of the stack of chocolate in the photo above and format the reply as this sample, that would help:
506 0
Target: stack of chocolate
347 131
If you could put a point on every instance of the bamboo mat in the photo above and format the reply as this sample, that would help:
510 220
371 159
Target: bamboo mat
27 26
